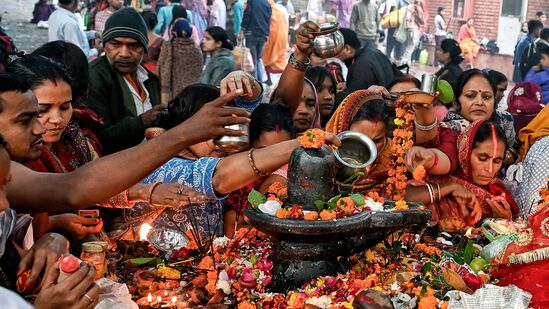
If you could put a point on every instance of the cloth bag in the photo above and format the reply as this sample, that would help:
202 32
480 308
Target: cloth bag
392 19
243 57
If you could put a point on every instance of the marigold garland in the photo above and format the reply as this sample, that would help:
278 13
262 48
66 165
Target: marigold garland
402 142
312 138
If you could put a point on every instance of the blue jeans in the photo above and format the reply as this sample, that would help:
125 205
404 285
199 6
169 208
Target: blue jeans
255 44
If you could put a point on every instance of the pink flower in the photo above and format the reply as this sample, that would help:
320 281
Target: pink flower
264 265
247 275
267 280
331 282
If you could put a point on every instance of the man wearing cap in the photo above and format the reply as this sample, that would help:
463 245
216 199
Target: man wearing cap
121 90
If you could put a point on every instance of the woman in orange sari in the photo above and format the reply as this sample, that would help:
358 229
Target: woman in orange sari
366 112
467 39
276 47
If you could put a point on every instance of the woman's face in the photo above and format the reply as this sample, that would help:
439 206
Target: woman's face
272 137
305 113
443 57
403 87
373 129
326 97
525 27
485 162
209 44
470 22
4 178
55 100
500 91
477 99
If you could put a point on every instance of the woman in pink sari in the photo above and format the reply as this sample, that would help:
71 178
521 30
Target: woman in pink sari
467 39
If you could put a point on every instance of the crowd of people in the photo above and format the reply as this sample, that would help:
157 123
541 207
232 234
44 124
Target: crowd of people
123 117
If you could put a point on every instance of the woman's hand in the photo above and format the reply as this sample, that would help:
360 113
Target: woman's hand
175 195
77 291
76 225
467 200
417 156
304 40
379 90
240 80
500 208
43 255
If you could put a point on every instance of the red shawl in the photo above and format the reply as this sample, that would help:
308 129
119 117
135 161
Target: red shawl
448 209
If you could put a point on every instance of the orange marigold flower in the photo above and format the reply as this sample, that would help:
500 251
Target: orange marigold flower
282 213
419 173
311 216
375 196
296 212
428 302
312 138
327 215
246 305
346 204
278 188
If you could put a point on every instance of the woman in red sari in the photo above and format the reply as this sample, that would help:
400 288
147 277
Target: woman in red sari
467 39
473 191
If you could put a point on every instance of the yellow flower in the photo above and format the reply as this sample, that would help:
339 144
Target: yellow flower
369 255
401 205
399 122
347 304
320 282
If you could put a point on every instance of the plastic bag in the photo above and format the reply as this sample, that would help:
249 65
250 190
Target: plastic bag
493 249
243 57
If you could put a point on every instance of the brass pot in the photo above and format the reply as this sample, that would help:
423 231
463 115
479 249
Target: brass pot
233 144
357 152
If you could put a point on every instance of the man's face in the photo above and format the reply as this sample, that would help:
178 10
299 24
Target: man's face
125 54
19 125
116 4
347 53
542 18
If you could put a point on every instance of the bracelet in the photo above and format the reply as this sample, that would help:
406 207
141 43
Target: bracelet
426 128
150 193
439 194
298 65
436 160
430 192
252 164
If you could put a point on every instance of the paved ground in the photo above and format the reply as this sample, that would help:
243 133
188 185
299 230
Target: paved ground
15 20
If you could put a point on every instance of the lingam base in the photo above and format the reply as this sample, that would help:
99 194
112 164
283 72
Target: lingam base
303 250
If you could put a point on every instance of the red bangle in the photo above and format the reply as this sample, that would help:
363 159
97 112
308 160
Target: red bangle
436 160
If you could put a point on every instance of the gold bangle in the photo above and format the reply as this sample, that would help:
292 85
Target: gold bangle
439 194
151 189
252 164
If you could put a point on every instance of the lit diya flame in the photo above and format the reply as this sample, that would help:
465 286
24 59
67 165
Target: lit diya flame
174 299
150 298
144 231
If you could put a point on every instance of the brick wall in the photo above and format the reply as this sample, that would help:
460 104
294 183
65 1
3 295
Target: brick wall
537 5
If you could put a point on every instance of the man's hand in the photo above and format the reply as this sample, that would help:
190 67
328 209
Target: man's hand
149 116
43 255
77 291
175 195
240 80
304 40
76 225
209 122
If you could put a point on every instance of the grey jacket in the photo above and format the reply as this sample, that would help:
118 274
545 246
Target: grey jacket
365 20
218 66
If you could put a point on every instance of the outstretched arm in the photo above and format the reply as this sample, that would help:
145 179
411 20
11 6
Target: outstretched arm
30 191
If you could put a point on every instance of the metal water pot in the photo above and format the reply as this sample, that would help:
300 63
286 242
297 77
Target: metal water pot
357 152
233 144
328 42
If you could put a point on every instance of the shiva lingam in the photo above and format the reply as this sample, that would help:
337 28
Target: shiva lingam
303 250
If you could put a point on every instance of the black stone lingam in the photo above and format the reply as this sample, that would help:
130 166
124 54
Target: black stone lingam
311 176
303 250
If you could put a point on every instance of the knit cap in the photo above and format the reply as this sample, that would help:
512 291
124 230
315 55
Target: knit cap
126 23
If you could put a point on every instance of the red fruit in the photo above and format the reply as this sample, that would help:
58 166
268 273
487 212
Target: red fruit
69 264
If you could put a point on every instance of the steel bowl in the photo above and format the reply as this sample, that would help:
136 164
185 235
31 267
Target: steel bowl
328 42
165 239
232 144
357 152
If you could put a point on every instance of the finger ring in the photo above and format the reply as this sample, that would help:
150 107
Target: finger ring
89 298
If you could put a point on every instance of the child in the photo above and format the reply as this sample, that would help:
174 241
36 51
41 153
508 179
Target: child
539 74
